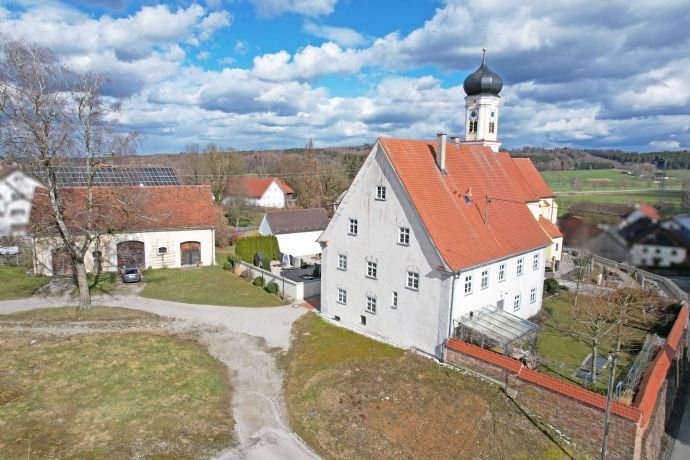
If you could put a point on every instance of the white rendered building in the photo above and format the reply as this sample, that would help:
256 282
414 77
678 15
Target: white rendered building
16 195
431 231
263 192
150 227
297 231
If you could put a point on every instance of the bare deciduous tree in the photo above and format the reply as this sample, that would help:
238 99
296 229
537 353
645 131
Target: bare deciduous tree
50 117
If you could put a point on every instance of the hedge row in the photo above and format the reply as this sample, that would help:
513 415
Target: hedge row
247 248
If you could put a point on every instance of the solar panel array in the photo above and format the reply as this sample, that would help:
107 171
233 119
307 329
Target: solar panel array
114 176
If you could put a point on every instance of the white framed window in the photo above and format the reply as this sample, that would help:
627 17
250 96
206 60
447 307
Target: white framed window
394 299
352 229
556 246
371 304
342 296
520 265
533 295
413 280
381 192
516 302
371 269
485 278
502 272
468 284
535 262
404 236
342 262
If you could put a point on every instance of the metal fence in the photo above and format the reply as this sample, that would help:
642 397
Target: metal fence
9 255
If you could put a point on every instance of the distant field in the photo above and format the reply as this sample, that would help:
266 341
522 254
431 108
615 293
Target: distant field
608 179
613 186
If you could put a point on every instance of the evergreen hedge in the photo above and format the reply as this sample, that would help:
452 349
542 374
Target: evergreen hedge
248 247
272 288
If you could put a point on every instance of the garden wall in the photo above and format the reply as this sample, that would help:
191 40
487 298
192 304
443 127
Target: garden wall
298 291
635 431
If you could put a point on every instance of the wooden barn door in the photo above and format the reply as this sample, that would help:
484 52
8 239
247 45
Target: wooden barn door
190 253
62 263
131 253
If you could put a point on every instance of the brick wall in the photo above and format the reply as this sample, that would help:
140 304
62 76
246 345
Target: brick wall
635 431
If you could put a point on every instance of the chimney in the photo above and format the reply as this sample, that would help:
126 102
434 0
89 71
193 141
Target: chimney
441 152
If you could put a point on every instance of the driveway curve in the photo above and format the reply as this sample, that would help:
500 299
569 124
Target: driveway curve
246 340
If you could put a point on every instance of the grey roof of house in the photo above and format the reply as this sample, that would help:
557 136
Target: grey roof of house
297 220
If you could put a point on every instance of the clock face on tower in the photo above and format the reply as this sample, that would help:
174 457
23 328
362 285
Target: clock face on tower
473 115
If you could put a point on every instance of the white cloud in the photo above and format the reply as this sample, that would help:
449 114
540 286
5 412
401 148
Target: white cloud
212 23
343 36
227 60
271 8
665 145
241 47
203 55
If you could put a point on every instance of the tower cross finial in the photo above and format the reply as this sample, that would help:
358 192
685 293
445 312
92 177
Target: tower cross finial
483 54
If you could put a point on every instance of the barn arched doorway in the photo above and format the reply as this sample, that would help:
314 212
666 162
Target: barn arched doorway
190 253
131 253
61 263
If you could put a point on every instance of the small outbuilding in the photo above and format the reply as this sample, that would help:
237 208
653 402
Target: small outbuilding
297 231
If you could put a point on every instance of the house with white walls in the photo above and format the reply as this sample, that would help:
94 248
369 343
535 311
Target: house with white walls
150 227
16 195
263 192
432 232
296 231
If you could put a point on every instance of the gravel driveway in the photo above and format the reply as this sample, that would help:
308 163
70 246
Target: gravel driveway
246 340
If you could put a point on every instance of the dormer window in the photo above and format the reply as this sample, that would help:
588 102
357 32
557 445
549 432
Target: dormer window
381 192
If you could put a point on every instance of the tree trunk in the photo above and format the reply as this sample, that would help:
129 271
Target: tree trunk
594 362
83 283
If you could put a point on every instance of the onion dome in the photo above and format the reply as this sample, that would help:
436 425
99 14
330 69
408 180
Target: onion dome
483 81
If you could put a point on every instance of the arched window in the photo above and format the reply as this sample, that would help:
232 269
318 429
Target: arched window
131 253
190 253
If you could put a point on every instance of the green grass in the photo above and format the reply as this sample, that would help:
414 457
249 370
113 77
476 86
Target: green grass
111 396
672 200
223 253
206 286
16 284
562 354
607 179
73 314
352 397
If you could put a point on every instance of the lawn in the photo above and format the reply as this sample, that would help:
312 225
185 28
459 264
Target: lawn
16 284
672 200
562 355
607 179
73 314
206 286
351 397
127 395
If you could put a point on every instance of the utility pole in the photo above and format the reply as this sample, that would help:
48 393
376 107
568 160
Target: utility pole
609 395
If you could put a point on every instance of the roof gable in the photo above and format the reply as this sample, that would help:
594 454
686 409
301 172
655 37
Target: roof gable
253 187
297 220
472 211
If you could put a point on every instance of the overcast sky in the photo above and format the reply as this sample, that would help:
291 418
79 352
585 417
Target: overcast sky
254 74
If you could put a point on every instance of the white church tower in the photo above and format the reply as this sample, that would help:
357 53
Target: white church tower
481 106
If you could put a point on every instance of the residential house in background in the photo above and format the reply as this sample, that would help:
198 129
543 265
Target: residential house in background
297 231
613 214
16 195
579 233
431 233
160 226
263 192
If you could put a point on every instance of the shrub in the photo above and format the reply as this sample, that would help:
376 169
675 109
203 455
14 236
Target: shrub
272 288
266 265
228 266
259 281
247 247
246 275
232 260
551 285
234 238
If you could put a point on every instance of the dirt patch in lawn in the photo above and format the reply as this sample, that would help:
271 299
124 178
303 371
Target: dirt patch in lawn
108 394
351 397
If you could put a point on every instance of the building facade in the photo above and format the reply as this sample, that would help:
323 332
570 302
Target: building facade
16 195
430 232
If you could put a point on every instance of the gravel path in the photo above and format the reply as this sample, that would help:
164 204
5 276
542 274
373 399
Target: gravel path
246 340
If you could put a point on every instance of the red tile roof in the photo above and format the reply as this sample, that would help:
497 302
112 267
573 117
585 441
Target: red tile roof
649 211
468 234
534 179
549 227
577 231
129 208
253 187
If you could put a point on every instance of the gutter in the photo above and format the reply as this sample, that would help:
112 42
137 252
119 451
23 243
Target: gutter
456 276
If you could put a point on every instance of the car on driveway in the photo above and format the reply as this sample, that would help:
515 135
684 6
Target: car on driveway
130 274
